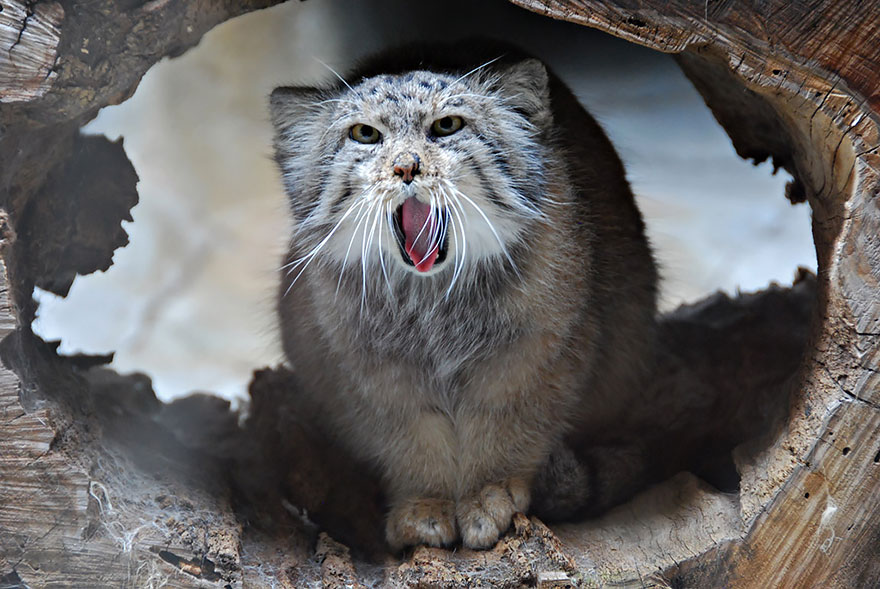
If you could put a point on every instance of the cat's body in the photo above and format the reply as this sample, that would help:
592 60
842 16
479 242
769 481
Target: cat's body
513 302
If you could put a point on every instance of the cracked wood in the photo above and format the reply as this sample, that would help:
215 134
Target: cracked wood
29 37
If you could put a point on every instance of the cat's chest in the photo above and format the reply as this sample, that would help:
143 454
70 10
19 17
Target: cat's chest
446 336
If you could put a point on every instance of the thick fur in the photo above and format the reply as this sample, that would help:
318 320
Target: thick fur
458 383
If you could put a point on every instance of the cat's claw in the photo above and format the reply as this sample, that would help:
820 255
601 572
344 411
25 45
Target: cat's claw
421 521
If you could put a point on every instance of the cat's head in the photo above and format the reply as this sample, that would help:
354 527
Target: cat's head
416 171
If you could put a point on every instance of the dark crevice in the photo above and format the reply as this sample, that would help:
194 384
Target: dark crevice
202 568
29 13
11 580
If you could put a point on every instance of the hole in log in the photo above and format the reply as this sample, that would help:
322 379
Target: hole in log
185 247
179 220
185 474
636 22
176 300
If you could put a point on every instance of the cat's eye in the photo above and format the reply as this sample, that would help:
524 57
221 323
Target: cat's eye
447 126
364 133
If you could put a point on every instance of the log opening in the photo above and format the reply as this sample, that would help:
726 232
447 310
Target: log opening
132 492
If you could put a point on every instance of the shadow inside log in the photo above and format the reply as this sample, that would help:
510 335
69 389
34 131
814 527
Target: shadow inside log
279 476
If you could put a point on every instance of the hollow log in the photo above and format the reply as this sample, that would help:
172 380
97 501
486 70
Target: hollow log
103 486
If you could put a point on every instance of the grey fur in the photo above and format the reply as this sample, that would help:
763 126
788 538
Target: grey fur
457 383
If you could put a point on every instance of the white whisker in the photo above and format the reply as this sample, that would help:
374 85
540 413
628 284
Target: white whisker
364 259
335 73
488 223
478 68
453 211
314 250
443 221
458 210
422 230
373 224
381 251
434 219
307 259
357 223
460 242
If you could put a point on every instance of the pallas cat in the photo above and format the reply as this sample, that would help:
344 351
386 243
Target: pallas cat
468 280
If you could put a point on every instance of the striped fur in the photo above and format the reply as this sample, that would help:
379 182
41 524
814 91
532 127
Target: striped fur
458 382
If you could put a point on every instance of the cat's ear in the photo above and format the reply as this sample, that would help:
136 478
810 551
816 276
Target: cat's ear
526 85
289 105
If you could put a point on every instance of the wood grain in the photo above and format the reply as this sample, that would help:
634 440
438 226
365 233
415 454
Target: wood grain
29 37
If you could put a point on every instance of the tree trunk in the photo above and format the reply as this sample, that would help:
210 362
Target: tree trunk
103 486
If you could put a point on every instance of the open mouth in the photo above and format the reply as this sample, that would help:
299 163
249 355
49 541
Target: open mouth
420 232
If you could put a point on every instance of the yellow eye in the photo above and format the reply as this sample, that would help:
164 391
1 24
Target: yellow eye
364 133
447 126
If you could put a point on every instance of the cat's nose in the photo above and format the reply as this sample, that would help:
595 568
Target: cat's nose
406 165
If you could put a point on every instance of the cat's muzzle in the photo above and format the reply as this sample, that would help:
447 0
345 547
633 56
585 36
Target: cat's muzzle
406 165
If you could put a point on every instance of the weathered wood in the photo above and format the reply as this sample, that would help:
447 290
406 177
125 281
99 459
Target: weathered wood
29 35
99 494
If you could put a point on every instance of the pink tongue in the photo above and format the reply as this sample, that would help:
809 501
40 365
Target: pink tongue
419 229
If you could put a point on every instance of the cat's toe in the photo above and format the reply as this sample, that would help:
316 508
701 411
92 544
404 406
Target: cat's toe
483 517
520 493
421 521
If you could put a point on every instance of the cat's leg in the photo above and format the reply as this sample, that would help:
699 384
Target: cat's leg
485 514
420 471
421 520
500 454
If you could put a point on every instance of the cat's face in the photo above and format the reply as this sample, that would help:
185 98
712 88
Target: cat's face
419 172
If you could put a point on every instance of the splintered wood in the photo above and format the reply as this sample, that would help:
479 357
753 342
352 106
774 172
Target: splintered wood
29 37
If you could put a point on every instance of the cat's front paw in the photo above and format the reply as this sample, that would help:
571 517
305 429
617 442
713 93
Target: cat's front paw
484 516
421 521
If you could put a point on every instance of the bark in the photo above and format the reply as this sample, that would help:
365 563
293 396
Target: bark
103 486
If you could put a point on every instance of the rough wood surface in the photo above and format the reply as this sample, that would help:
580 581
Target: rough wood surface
102 486
833 39
29 34
799 83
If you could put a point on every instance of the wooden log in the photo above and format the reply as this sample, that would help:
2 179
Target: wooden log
101 485
798 83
